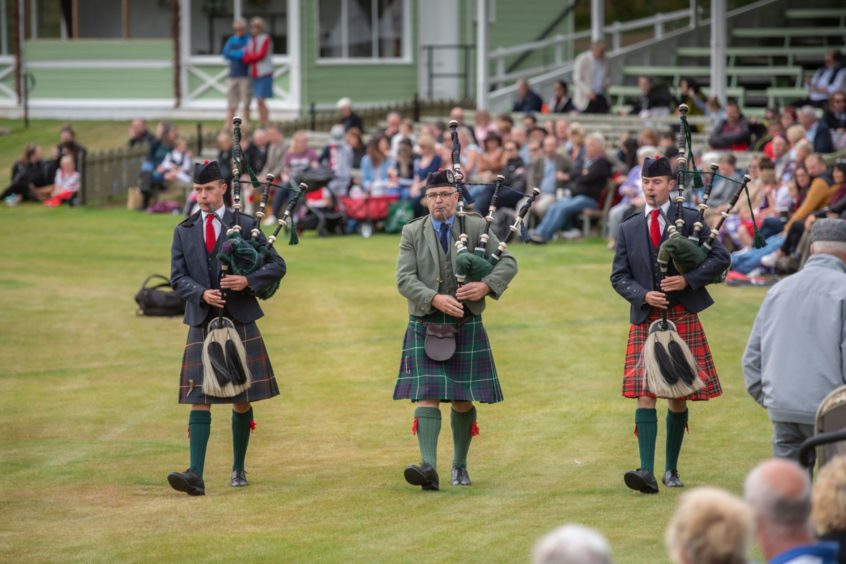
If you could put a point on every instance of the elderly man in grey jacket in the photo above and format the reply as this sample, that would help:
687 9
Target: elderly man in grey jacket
796 353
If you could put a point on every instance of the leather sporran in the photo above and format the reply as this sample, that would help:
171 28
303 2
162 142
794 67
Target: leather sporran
440 341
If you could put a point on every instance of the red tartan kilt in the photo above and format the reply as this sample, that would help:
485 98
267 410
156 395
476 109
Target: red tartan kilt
691 331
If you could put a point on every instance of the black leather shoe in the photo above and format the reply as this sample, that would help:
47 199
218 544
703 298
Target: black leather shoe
424 476
641 480
187 482
671 479
460 477
239 478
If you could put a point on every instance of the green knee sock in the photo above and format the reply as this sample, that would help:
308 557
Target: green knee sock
647 431
240 437
428 429
462 424
676 424
199 427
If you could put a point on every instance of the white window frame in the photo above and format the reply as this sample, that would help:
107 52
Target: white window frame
375 60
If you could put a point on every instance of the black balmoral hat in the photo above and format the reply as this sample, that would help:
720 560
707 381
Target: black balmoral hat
657 166
443 177
206 172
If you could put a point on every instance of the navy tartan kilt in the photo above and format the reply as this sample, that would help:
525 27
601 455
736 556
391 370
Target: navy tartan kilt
470 375
191 379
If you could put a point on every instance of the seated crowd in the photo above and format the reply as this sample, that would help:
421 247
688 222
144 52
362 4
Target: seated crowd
789 520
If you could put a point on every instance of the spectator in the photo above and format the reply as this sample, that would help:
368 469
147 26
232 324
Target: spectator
631 196
530 122
795 356
654 99
66 184
139 135
29 179
561 101
176 167
779 493
392 124
572 544
515 168
648 136
562 132
275 156
819 192
835 119
67 146
257 151
828 507
575 147
504 124
709 526
150 179
527 99
492 160
585 192
722 189
591 80
828 79
470 152
457 114
356 143
224 161
781 158
402 174
375 166
427 163
239 91
788 117
258 55
692 95
733 132
550 172
406 133
297 159
349 118
837 204
483 124
338 157
816 131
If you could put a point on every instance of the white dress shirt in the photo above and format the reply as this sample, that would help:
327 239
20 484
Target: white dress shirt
662 217
219 213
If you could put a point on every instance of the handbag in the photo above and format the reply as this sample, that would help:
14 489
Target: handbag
158 300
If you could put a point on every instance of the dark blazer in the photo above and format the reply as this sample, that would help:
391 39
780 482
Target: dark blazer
193 271
593 179
635 270
822 138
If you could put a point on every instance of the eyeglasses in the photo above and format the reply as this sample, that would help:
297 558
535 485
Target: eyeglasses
440 195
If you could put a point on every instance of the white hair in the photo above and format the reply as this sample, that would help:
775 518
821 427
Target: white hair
777 510
597 137
836 248
572 544
646 151
809 111
344 103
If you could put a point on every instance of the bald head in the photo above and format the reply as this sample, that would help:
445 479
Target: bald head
779 492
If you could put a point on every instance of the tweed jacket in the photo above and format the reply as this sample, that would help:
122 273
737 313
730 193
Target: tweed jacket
534 172
418 269
635 270
193 271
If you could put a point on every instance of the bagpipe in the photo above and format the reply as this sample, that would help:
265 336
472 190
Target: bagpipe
226 372
243 256
669 366
473 266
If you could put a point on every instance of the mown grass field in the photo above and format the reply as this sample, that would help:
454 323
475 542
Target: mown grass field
90 424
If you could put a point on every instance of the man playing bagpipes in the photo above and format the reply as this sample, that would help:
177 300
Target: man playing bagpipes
234 369
664 321
446 355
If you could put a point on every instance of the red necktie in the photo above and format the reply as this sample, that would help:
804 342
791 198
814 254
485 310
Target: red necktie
210 236
655 228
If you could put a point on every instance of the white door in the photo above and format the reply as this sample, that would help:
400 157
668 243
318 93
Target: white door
439 26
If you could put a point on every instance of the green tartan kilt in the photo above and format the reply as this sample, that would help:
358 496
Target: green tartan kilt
470 375
263 385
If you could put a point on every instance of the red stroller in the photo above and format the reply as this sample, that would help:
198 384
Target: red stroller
367 211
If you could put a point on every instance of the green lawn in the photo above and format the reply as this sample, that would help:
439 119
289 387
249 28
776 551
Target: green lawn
91 425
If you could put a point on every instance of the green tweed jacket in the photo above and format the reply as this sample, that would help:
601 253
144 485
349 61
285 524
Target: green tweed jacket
418 269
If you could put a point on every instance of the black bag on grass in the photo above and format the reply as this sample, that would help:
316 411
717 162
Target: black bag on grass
159 299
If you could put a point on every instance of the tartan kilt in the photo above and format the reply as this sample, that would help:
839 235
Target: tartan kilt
263 385
692 333
470 375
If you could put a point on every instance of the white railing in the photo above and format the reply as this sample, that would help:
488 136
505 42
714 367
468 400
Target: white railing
7 68
211 71
561 46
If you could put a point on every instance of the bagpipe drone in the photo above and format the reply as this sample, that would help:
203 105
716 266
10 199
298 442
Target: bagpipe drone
669 366
473 266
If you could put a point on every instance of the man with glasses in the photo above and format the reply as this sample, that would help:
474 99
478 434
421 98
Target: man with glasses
446 354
